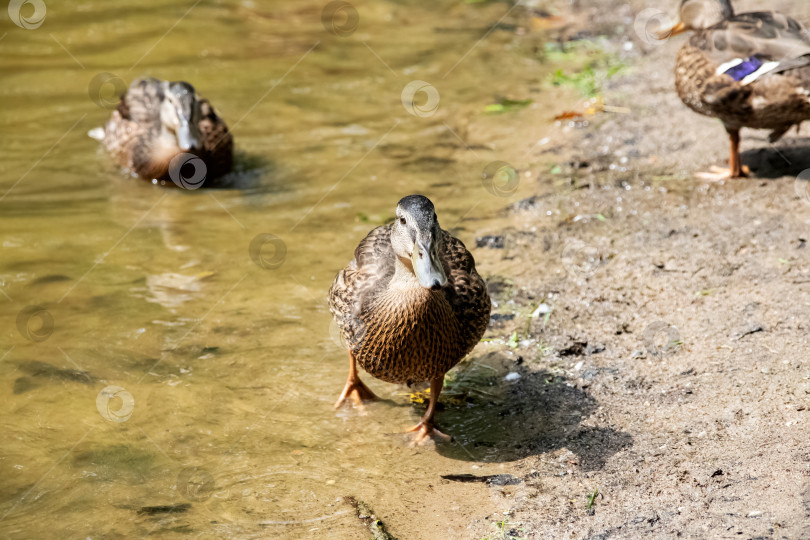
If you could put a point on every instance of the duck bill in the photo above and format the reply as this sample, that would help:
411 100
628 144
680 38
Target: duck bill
679 28
186 140
428 267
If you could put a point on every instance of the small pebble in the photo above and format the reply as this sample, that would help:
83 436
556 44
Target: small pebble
542 309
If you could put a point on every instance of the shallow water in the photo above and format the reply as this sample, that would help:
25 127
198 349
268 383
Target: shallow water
224 359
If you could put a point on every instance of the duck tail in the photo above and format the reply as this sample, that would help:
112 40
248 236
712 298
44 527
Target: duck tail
96 133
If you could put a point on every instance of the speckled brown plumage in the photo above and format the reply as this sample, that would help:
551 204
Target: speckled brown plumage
408 335
776 101
217 151
132 134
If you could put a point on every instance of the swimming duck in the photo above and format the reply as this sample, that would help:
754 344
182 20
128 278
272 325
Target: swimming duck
410 306
748 70
158 120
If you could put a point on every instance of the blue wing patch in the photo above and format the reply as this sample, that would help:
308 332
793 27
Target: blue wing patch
744 68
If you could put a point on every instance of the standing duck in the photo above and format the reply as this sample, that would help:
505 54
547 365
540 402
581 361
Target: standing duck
410 306
159 120
748 70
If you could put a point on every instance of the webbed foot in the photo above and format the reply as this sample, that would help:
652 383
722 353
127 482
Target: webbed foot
423 431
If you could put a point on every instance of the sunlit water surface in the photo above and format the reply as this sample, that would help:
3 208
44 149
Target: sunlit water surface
224 360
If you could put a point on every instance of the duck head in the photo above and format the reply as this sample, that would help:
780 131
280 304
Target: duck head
179 114
698 15
416 239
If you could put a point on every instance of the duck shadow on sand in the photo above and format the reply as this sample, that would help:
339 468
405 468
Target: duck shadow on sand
788 157
497 420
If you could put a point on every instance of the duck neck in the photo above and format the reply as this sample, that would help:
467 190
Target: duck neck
404 280
167 138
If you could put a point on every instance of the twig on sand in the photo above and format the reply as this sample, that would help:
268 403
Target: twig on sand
366 515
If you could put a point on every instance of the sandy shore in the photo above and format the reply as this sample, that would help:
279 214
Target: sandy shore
658 323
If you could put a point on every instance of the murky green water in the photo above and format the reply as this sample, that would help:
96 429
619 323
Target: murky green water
226 369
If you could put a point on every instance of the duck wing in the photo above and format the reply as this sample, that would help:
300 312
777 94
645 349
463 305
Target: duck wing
141 102
134 123
752 44
370 271
217 140
466 290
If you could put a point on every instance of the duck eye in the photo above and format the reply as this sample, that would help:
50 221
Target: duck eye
402 220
